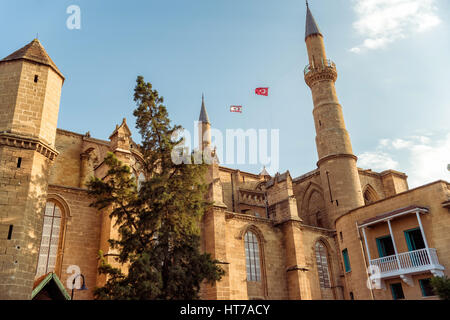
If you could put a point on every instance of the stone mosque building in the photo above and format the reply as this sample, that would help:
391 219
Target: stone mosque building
317 236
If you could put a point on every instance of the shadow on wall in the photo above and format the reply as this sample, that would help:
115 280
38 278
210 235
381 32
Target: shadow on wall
25 180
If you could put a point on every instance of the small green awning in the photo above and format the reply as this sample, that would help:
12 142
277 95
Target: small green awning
49 287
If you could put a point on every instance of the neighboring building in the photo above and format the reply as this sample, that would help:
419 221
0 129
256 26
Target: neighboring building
308 237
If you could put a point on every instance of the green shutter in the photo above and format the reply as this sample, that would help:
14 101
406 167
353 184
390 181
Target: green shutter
422 287
394 294
409 240
397 291
380 248
346 260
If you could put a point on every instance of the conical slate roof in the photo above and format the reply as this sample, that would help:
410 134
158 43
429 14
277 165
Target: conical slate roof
311 25
34 51
203 114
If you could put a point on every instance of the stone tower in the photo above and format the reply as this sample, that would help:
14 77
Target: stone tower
214 220
204 128
30 89
337 163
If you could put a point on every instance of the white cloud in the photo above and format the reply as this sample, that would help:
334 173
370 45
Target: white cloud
423 158
378 161
401 144
355 50
382 22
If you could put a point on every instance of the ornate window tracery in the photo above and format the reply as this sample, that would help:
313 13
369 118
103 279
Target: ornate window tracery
252 257
52 231
322 265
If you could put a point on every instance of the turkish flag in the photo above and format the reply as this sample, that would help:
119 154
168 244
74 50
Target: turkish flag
236 109
262 91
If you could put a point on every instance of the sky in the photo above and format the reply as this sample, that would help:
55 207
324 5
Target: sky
392 58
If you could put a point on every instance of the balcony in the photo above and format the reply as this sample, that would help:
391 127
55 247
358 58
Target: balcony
323 65
407 263
419 259
319 71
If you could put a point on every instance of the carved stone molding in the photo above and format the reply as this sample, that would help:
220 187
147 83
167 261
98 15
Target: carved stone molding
316 75
334 156
246 217
12 140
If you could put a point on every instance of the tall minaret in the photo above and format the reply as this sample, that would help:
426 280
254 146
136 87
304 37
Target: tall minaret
337 163
204 128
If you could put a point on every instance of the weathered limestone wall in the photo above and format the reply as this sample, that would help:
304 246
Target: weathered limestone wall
23 193
80 238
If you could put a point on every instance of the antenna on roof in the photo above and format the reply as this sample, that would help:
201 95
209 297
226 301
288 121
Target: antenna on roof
307 4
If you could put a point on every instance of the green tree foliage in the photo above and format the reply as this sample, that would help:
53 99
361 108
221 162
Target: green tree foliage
441 287
159 224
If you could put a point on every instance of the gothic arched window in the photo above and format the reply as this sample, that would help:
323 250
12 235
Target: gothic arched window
370 195
50 242
252 258
322 265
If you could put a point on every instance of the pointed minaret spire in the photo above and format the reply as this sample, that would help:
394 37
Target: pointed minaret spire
311 25
203 114
204 127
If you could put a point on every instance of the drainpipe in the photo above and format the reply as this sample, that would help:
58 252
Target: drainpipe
365 261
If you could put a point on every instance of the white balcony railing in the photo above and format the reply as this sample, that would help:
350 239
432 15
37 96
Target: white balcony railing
407 262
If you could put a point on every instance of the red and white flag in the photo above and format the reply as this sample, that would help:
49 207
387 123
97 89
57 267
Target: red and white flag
236 109
262 91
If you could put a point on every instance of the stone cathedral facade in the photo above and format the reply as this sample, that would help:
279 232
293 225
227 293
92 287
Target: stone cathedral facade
321 235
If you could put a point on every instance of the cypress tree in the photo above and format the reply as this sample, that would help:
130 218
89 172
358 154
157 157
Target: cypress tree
159 224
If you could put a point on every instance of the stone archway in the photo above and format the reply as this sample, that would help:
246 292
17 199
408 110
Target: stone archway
370 195
313 210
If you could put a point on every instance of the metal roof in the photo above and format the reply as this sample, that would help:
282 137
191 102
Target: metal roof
59 291
311 25
392 214
203 114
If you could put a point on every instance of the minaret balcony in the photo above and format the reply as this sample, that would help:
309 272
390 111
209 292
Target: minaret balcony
325 70
325 64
